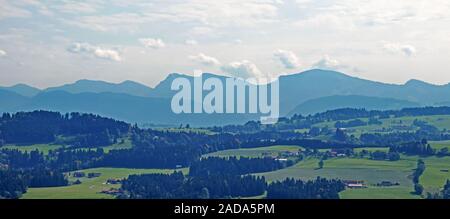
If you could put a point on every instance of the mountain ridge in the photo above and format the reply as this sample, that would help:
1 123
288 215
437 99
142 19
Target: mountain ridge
350 101
132 101
22 89
97 86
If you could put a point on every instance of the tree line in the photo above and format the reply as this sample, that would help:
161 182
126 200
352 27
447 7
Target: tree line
235 166
85 130
319 188
179 186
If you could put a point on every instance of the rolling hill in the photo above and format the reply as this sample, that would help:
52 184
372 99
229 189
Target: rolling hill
22 89
90 86
11 100
125 107
298 88
352 101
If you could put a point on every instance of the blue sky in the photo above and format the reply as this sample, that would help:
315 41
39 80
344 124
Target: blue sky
47 43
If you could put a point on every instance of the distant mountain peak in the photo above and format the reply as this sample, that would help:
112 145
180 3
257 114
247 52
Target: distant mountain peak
22 89
306 92
174 75
323 104
22 85
96 86
81 81
318 74
321 71
416 82
129 82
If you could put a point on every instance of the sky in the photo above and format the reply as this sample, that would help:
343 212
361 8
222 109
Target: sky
49 43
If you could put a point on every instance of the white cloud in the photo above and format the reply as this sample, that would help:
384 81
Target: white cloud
345 29
238 41
76 7
118 22
287 58
303 1
191 42
9 10
201 31
206 14
219 13
348 13
204 59
397 48
2 53
108 54
243 69
329 63
152 43
96 51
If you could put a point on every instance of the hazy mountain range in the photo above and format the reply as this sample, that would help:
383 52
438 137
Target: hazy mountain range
306 93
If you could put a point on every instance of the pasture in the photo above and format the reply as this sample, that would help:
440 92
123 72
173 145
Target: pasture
255 152
442 122
44 148
90 188
440 144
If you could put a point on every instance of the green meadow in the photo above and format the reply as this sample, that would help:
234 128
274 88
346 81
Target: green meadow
441 122
90 188
395 192
255 152
191 130
384 149
44 148
371 172
440 144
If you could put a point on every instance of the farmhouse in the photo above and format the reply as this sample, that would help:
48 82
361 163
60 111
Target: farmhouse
113 181
387 184
93 175
335 152
282 159
111 191
288 154
354 184
79 174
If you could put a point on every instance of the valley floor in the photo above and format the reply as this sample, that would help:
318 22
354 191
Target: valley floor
369 171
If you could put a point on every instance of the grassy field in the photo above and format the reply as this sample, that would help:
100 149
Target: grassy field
384 149
192 130
301 130
436 172
440 144
439 121
44 148
255 152
346 168
126 144
396 192
371 172
90 188
358 150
